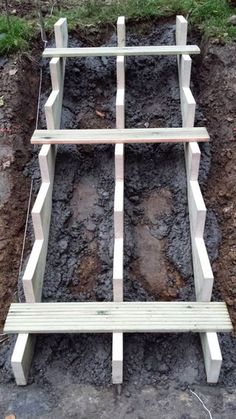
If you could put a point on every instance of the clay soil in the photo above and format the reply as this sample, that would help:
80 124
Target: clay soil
70 375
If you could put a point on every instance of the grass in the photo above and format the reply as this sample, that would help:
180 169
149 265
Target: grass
211 16
14 36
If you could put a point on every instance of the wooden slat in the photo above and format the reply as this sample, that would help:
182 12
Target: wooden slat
112 136
125 51
117 317
22 357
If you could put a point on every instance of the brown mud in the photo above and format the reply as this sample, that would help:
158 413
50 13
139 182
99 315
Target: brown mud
157 245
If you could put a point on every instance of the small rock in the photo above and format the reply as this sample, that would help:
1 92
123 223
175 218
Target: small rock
229 119
12 72
232 20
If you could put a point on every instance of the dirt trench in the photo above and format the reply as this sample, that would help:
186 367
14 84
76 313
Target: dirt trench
157 238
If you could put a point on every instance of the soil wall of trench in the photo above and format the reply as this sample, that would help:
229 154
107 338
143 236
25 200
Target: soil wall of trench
157 251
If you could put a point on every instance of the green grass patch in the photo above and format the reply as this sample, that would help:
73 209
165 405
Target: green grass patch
14 35
211 16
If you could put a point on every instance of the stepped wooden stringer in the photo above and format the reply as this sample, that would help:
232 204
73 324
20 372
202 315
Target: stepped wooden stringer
118 317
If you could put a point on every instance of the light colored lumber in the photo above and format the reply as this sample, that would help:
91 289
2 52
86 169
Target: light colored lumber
53 110
22 357
41 212
181 30
185 71
192 159
125 317
119 161
118 270
120 108
203 275
124 51
181 35
197 209
121 31
117 358
119 209
61 33
212 356
188 106
120 72
34 272
127 135
56 71
47 159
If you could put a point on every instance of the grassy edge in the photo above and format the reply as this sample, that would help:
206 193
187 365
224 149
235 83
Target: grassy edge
210 16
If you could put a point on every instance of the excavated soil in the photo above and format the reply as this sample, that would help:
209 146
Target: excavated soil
71 375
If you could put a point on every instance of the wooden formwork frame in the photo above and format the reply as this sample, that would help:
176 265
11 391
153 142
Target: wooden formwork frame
41 213
203 275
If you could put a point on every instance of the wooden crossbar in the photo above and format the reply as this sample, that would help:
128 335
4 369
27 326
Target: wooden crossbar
113 136
123 51
108 317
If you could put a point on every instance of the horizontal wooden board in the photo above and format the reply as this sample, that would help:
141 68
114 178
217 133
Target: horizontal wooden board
114 136
108 317
123 51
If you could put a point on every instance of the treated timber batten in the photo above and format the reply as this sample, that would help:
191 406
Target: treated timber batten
125 317
123 51
113 136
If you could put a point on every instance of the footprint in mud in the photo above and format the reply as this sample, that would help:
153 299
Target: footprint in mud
151 265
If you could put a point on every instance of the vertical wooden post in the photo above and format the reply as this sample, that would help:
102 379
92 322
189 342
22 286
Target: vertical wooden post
203 276
117 338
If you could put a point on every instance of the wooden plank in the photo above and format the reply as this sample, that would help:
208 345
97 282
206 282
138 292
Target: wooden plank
203 275
34 272
119 209
197 209
120 109
188 106
47 159
118 270
41 212
212 356
22 357
61 33
121 31
112 136
181 30
53 110
124 51
181 35
185 71
56 71
119 161
117 358
109 317
192 160
120 72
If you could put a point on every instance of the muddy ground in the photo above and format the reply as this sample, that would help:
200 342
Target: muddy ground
71 375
